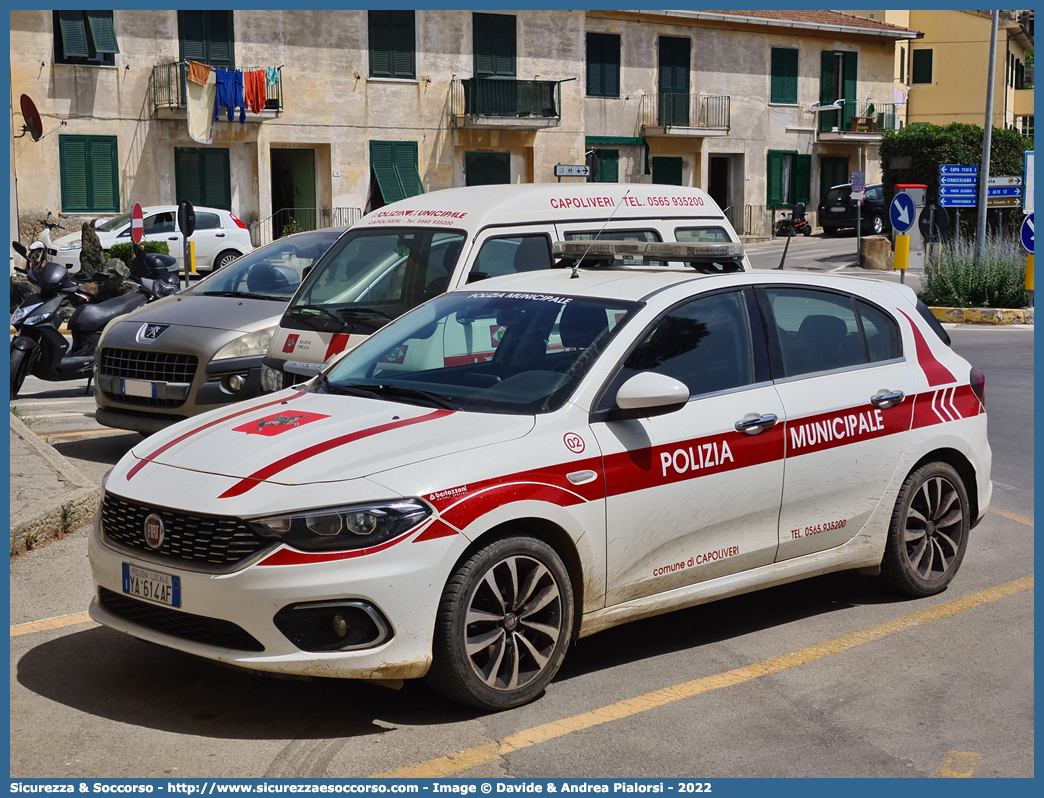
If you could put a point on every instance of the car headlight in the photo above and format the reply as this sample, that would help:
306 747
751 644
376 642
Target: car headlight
22 312
356 526
249 345
271 379
71 246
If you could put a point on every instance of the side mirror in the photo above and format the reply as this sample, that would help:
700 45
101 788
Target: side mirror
649 394
474 277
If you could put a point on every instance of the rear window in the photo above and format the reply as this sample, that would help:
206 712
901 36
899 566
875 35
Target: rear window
837 195
702 235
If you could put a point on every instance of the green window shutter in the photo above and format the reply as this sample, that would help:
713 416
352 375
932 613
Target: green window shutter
674 65
403 44
784 75
902 64
222 46
802 178
667 171
850 72
608 166
380 44
482 35
499 168
192 36
72 156
774 179
187 176
487 168
203 177
494 45
921 63
603 65
382 162
826 79
105 189
74 34
102 31
406 168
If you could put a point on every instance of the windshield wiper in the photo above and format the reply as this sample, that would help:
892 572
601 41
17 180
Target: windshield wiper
402 392
360 312
348 390
294 311
245 294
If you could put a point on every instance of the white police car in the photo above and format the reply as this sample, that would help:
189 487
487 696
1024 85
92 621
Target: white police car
539 457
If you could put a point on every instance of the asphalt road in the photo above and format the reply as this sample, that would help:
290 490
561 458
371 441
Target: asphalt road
874 692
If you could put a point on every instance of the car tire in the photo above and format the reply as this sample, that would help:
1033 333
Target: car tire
224 258
876 225
19 370
503 626
829 230
928 534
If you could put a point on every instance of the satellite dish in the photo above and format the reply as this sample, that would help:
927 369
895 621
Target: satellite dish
33 124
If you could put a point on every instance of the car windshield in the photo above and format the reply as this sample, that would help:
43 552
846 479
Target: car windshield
379 273
484 351
115 223
271 272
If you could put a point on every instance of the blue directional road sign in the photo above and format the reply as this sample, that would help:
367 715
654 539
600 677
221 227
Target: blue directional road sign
956 191
959 202
901 212
1003 191
958 180
957 169
1027 233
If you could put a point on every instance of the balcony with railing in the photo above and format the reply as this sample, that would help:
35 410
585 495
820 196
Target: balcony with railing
506 103
858 121
299 220
686 114
169 92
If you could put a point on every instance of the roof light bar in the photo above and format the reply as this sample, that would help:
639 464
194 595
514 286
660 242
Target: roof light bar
652 250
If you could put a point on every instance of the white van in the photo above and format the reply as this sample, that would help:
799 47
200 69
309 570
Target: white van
408 252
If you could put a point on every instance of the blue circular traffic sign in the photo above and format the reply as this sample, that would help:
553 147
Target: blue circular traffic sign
1027 233
901 212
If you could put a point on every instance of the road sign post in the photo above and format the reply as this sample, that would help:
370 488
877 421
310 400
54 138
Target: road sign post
1026 235
1027 181
186 226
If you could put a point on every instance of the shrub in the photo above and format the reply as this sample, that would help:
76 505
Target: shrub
957 282
291 227
125 252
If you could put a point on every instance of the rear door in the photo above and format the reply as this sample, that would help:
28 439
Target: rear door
209 237
689 497
163 226
848 397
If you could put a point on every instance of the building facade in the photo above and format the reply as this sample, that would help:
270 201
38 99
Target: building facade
762 109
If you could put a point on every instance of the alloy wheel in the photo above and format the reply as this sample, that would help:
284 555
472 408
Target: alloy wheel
933 529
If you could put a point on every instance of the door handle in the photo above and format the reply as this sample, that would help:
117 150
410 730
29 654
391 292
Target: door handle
219 235
887 398
173 238
752 424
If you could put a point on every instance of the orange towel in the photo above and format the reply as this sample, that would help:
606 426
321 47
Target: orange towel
254 90
198 73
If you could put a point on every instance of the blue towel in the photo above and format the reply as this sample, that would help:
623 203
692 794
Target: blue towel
230 93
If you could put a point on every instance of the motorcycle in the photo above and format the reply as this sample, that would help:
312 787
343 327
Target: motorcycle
38 346
794 223
36 254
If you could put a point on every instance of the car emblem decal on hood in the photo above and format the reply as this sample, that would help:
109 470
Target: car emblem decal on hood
154 532
290 343
284 463
150 332
157 452
280 422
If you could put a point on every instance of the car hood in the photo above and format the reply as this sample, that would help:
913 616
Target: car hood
106 239
211 312
297 438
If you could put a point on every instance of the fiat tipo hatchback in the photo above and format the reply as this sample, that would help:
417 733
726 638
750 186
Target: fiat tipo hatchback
542 456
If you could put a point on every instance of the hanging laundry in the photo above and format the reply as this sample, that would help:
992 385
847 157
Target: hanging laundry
200 104
198 73
230 93
273 75
255 90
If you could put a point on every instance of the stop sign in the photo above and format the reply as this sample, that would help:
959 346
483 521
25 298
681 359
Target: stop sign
137 223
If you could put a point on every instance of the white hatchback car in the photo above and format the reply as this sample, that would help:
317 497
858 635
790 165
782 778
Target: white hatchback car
220 237
517 464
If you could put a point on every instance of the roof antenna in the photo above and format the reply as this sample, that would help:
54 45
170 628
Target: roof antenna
576 264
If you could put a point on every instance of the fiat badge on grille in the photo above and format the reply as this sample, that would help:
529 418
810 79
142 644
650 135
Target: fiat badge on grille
154 531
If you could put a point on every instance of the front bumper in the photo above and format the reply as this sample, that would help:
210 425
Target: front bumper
403 582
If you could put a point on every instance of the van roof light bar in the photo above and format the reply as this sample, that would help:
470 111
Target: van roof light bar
646 250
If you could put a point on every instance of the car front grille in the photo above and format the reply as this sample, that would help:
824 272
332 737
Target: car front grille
203 542
133 364
197 628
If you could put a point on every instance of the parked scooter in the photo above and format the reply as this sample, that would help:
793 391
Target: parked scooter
36 254
40 349
794 223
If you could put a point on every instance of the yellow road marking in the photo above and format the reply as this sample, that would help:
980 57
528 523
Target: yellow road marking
55 435
1011 516
958 765
491 751
49 623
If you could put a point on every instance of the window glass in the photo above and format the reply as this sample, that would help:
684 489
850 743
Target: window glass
882 334
513 254
702 235
159 223
705 344
817 330
207 221
875 193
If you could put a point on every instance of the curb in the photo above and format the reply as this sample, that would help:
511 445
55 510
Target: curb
75 507
983 315
63 329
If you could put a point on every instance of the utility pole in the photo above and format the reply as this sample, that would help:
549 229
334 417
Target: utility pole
987 136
